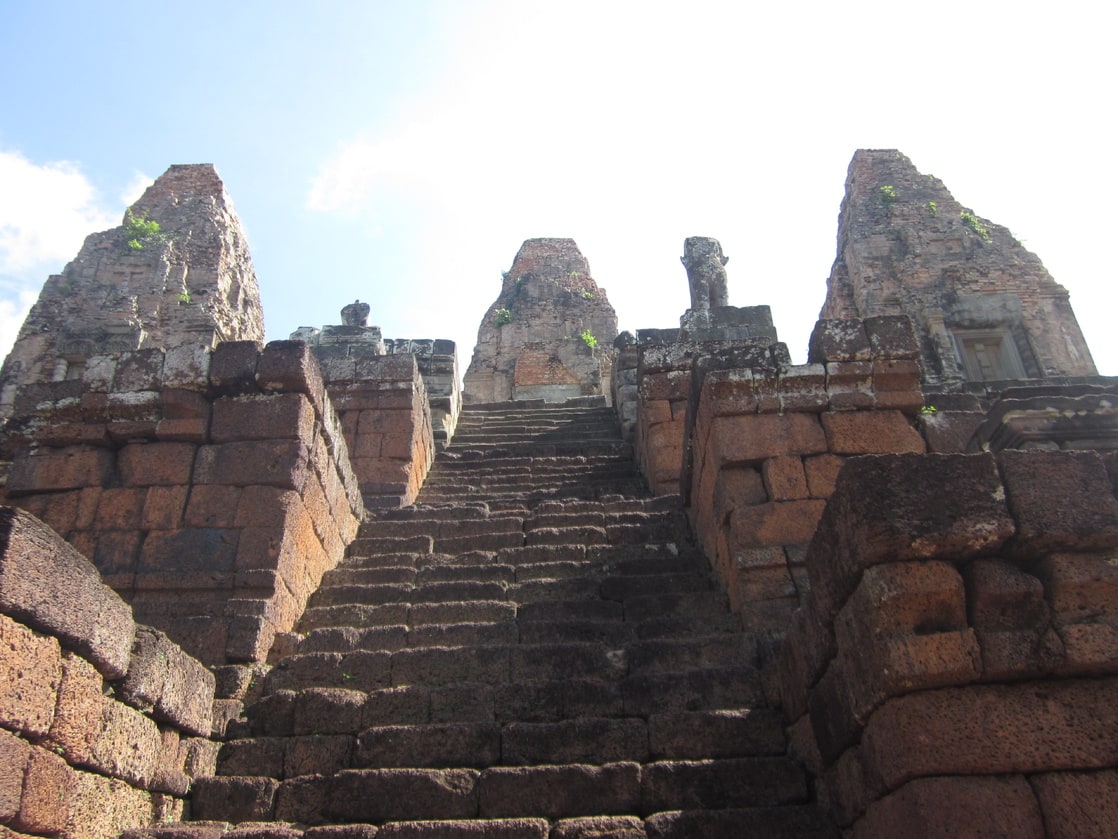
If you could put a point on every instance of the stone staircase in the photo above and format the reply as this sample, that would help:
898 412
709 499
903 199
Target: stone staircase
535 649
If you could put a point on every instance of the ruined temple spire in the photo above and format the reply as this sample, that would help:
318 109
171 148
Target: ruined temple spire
984 307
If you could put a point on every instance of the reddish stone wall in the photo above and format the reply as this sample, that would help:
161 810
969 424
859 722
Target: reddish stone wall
103 723
385 414
766 446
956 663
211 488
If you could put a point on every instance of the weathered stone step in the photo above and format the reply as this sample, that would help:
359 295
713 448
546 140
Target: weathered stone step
417 614
553 792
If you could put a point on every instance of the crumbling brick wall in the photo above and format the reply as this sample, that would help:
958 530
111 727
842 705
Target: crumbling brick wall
954 668
104 723
212 489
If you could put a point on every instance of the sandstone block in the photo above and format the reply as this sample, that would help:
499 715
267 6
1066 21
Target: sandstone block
120 509
1061 500
838 340
205 550
139 370
785 479
902 598
821 472
1000 596
164 507
802 387
1087 649
262 417
187 366
75 467
950 431
101 806
14 755
892 336
871 432
279 463
233 366
291 366
176 688
378 795
956 806
47 794
891 508
713 785
329 711
78 715
127 745
1078 805
49 585
557 792
774 523
212 506
599 827
1081 588
1034 653
746 438
994 729
156 464
850 385
234 799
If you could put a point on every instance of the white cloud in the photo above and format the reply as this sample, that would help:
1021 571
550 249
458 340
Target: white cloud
45 213
135 188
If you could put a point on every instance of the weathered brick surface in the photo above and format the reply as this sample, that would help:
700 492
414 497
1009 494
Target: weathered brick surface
30 674
46 583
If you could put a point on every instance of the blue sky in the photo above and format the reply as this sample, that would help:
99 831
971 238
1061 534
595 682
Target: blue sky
400 152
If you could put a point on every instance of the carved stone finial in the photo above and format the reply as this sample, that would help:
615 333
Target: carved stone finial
706 272
355 314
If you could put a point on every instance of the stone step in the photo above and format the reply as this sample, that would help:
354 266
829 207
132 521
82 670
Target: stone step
381 795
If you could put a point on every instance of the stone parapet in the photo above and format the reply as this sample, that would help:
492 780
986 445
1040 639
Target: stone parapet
104 723
765 442
955 663
212 489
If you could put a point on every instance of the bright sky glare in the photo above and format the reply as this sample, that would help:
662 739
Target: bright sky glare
399 151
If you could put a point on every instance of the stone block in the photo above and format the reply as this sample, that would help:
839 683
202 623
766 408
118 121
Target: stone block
892 336
810 645
838 340
557 792
802 387
956 806
164 508
277 416
101 806
77 718
747 439
329 711
156 464
821 472
212 505
994 729
1001 596
377 795
775 523
233 799
728 393
871 432
50 586
127 746
163 679
15 752
288 366
280 463
1061 500
47 794
596 827
1012 654
905 507
187 366
233 367
194 550
138 371
75 467
948 432
1081 588
1078 805
785 479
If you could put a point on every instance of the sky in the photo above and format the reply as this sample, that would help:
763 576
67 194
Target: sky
400 151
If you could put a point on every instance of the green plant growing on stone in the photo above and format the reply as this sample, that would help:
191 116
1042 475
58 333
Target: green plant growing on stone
139 230
587 295
888 193
576 274
933 208
972 221
928 409
503 316
185 299
588 338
